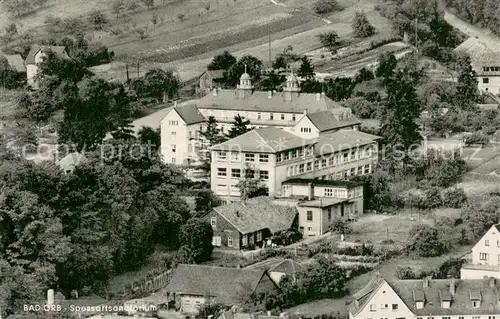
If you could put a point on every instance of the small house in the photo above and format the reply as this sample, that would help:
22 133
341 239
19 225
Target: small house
209 79
36 56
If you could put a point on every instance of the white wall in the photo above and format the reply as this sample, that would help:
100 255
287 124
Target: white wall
174 135
385 295
470 273
302 128
493 86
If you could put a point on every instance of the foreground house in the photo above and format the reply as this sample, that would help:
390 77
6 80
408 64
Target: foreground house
273 155
287 267
195 285
427 298
485 257
249 224
36 55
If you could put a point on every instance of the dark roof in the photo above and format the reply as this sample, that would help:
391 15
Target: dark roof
223 283
59 50
257 214
260 101
322 182
342 140
15 62
438 290
288 266
329 119
189 113
263 140
214 74
323 202
497 226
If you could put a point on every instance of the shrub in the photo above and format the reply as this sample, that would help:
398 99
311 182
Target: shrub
476 138
361 26
97 19
329 39
454 198
405 273
425 241
326 6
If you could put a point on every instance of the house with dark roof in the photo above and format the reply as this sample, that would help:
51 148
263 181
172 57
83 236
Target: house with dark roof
312 125
427 298
485 257
208 79
272 156
487 67
192 286
249 224
181 140
36 55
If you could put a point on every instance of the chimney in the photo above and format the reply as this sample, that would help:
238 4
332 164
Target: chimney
175 103
305 112
310 191
426 282
452 287
492 282
215 92
318 97
269 313
50 297
270 94
323 93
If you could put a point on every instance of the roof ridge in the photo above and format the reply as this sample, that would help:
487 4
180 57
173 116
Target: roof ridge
221 267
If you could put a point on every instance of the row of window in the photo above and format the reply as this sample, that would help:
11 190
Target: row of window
293 154
485 257
236 157
347 210
308 167
373 307
238 173
491 68
487 243
460 317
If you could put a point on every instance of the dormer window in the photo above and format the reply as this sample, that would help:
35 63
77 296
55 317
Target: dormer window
486 242
476 303
419 305
445 304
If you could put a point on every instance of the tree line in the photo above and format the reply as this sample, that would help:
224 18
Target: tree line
485 13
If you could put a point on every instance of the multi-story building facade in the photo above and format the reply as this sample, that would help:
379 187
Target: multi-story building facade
485 257
487 67
273 155
427 299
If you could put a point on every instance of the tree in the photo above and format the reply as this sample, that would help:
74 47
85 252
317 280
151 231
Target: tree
97 19
326 6
148 135
325 279
402 109
340 226
252 65
240 126
117 7
362 108
272 82
222 61
212 133
364 75
454 198
329 40
467 92
306 69
339 89
387 63
205 200
196 236
283 59
361 26
250 186
425 241
158 84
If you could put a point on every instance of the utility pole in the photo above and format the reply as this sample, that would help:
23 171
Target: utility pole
137 69
416 34
270 59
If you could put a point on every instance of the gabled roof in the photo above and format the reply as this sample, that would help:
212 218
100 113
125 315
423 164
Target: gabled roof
263 140
59 50
341 140
15 62
189 113
466 290
257 214
259 101
71 160
328 120
289 267
214 74
223 283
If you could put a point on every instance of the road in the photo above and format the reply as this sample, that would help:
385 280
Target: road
482 35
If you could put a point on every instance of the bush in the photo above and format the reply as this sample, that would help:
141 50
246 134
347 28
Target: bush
426 241
454 198
97 19
405 273
361 26
476 138
326 6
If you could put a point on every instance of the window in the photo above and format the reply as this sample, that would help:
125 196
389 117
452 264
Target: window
249 173
293 117
476 303
244 240
230 241
174 123
288 171
309 229
309 215
384 306
213 221
264 158
328 192
330 161
235 157
173 148
373 307
309 166
249 157
173 160
316 165
353 171
486 80
293 154
486 242
271 116
330 214
264 175
221 172
221 156
259 236
305 129
279 157
301 168
445 305
174 133
323 163
367 169
286 156
483 256
235 173
282 117
498 243
300 153
346 157
259 116
420 304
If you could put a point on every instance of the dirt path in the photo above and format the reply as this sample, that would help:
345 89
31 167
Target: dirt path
482 35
